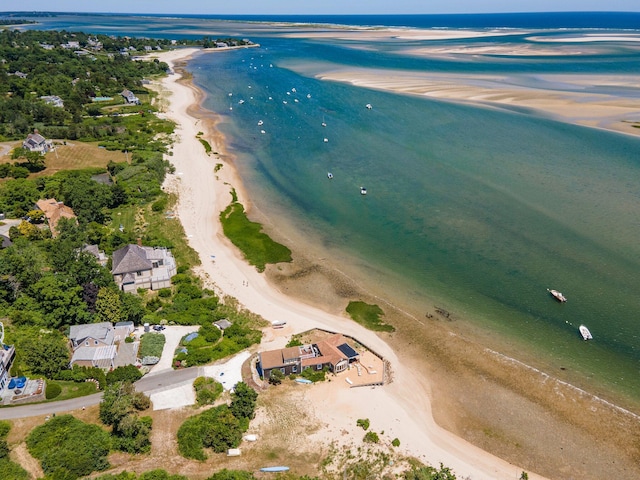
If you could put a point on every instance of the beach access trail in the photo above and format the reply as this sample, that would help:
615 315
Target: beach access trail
403 406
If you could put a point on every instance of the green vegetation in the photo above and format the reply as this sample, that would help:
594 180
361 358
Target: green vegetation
68 448
127 373
315 375
368 316
395 442
218 428
207 390
371 437
257 247
151 344
151 475
52 391
205 144
276 376
9 469
363 423
429 473
119 409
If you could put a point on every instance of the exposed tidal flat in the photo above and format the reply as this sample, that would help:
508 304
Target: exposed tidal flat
472 209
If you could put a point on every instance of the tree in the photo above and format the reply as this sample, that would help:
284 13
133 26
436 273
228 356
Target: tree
222 429
108 306
60 301
46 354
225 474
127 373
243 401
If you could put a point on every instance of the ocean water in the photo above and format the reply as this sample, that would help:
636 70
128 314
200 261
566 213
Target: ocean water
479 209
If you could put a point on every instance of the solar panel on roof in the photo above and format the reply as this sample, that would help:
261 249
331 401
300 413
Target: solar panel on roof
347 350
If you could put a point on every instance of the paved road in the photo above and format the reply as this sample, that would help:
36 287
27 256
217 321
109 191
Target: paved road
148 384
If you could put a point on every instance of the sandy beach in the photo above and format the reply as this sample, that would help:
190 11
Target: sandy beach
489 400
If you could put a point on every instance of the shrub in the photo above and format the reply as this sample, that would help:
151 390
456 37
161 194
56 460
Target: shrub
364 423
275 377
52 390
12 470
371 437
395 442
128 373
216 428
69 448
225 474
164 292
207 390
5 428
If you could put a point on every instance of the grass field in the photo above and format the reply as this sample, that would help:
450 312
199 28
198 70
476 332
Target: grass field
73 156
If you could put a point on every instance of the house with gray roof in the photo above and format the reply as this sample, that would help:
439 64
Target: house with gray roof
37 143
130 97
135 266
102 345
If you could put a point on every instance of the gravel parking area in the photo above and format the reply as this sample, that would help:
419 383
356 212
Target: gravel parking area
228 373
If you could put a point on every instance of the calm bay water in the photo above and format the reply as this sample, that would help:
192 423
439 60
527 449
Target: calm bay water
479 209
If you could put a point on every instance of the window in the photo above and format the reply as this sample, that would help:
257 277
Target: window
95 342
282 369
294 369
319 366
86 344
155 264
139 274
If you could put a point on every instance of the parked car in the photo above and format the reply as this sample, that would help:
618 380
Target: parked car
159 328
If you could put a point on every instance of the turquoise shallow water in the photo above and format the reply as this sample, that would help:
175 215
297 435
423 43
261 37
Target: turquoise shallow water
479 209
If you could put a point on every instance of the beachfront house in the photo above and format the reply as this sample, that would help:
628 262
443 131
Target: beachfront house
135 266
53 212
37 143
333 353
130 98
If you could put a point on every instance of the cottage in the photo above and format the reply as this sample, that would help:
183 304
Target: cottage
129 97
93 345
135 266
101 257
54 211
37 143
333 353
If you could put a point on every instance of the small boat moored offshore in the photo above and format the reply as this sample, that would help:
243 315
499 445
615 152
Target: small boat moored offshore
329 175
557 295
586 334
369 106
363 191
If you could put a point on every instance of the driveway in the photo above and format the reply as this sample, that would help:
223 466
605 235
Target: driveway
172 335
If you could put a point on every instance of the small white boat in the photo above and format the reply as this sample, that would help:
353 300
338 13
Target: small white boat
274 469
329 175
284 101
263 132
326 140
586 334
363 191
369 106
557 295
293 90
260 122
303 380
308 95
241 102
231 94
324 124
279 324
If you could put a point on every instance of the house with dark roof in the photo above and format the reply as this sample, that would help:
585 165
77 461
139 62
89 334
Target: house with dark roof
54 211
333 353
135 266
37 143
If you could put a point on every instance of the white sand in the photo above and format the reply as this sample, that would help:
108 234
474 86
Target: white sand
403 406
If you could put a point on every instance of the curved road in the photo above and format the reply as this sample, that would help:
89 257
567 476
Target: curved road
148 384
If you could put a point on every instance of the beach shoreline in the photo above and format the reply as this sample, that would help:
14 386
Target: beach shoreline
204 190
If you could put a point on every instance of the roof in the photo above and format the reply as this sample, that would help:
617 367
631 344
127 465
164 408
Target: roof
102 331
222 324
130 258
54 211
35 139
100 356
271 359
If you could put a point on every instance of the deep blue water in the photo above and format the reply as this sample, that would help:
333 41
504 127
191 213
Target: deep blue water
478 209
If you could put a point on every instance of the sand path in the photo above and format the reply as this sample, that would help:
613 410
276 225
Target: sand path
404 405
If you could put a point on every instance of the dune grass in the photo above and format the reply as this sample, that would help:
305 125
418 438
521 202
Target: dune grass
257 247
368 316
